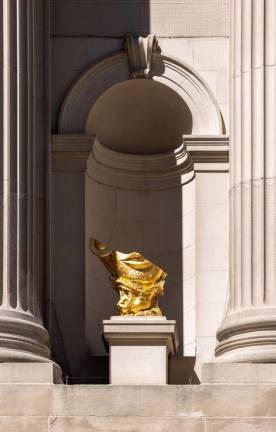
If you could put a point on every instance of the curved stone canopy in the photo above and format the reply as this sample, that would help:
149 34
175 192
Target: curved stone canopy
140 116
178 77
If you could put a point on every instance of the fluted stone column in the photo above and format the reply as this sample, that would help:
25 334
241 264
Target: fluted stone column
22 335
248 333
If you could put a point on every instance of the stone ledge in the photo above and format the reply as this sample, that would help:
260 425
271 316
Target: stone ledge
195 401
137 424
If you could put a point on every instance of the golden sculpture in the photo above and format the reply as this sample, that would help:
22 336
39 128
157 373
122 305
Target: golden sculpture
138 281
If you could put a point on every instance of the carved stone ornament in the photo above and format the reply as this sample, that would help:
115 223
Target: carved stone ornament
140 51
138 281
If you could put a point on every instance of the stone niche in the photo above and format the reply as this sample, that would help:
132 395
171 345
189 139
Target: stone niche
140 193
140 183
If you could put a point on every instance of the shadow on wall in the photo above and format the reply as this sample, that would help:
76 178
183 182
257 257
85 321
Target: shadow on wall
112 18
85 32
103 27
141 117
181 370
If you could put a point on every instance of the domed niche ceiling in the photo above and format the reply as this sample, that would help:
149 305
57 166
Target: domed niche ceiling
141 117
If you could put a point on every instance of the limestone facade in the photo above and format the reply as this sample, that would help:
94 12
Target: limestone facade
140 160
56 70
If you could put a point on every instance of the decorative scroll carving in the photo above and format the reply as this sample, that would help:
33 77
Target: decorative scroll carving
140 51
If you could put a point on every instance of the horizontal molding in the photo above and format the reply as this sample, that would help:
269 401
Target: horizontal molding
140 172
72 143
209 153
70 152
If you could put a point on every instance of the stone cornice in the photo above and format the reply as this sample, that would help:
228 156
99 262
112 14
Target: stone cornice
70 152
209 153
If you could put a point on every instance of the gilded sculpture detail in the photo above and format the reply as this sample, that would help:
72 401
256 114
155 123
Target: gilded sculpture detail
138 281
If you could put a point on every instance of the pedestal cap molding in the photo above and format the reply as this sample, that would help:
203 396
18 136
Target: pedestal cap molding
248 335
149 172
147 330
23 338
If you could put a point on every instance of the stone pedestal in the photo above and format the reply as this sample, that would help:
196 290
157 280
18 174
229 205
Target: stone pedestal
139 348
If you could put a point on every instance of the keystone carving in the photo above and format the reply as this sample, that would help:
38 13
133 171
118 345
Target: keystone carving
140 50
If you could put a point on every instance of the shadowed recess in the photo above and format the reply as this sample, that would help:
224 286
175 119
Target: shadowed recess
140 117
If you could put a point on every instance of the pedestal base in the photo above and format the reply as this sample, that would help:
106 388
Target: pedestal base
30 373
238 373
139 349
23 338
248 336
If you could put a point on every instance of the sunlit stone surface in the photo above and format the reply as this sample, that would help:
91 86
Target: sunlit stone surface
128 143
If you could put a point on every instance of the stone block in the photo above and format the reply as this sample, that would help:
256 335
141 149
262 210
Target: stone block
211 54
242 373
212 286
212 188
24 424
212 252
241 425
210 316
205 348
35 373
139 348
189 262
181 48
69 53
189 330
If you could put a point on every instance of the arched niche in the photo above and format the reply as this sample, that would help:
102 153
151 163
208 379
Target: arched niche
174 74
114 201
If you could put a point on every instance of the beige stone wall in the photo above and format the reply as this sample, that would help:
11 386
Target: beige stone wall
184 18
211 261
205 408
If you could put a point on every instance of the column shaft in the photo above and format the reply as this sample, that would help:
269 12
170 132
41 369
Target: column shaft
249 330
23 337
